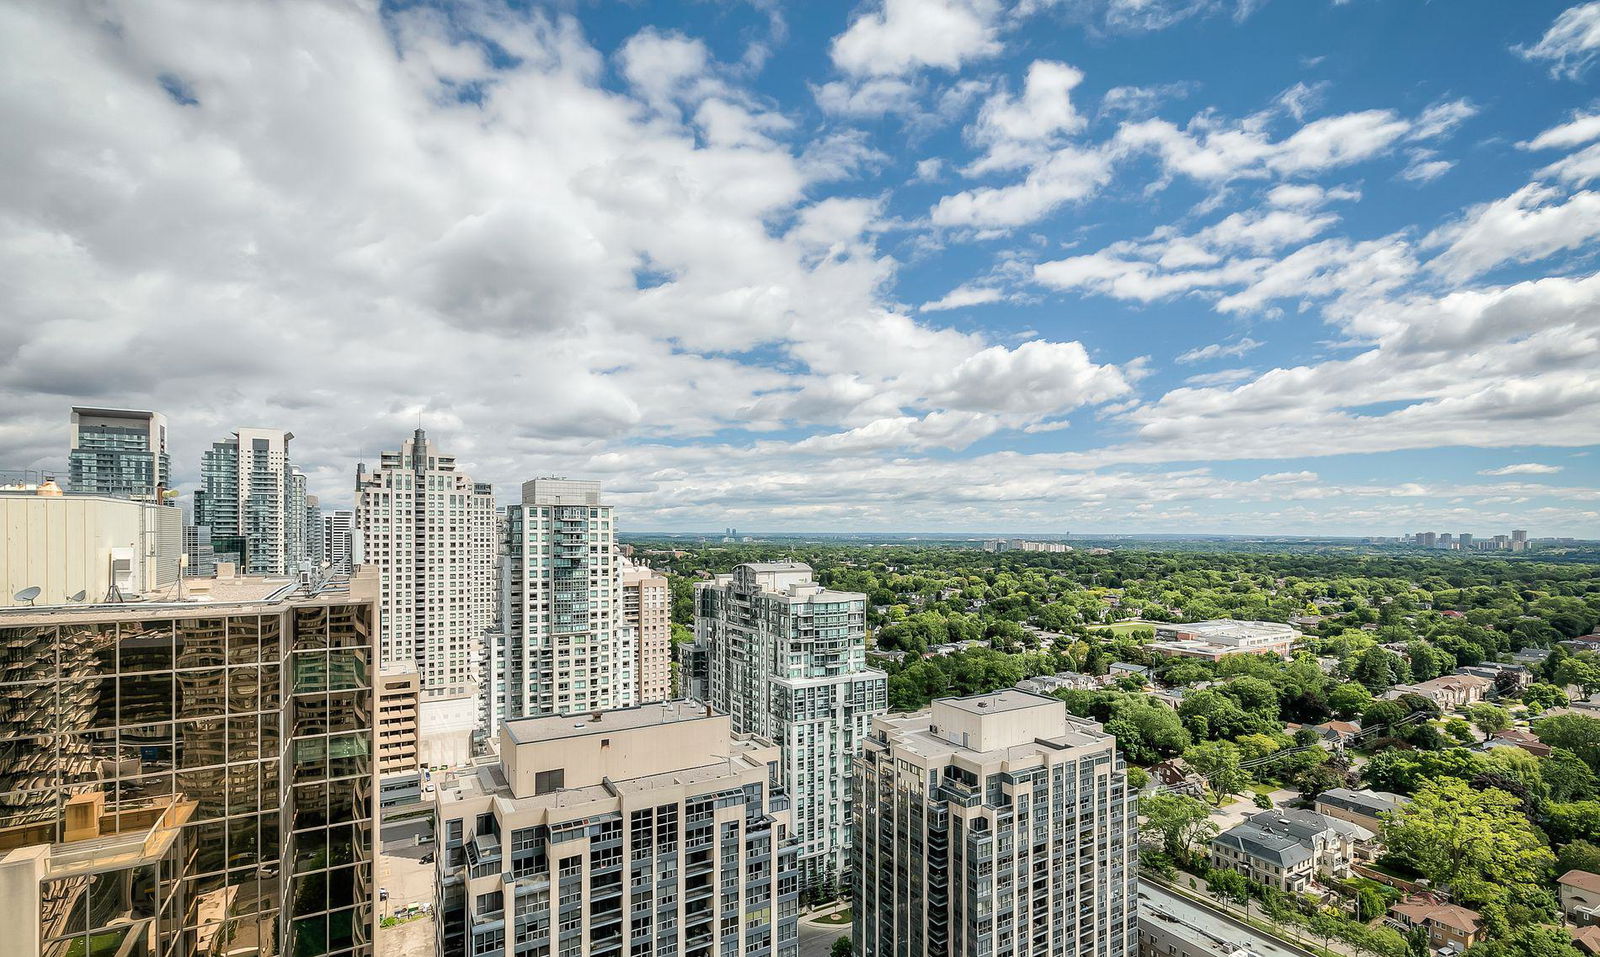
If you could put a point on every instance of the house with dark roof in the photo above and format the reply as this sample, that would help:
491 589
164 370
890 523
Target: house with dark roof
1287 849
1364 807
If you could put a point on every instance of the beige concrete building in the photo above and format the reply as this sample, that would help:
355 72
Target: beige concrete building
652 830
1448 925
74 548
399 696
993 824
429 530
647 606
1225 636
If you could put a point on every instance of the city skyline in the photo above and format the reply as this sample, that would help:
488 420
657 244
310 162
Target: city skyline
1066 267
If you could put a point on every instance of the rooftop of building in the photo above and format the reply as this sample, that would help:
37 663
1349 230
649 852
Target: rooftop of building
1010 724
1418 910
1365 799
1198 924
1582 880
190 596
554 727
1285 836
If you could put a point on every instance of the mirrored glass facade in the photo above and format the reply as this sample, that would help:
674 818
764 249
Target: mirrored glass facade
226 750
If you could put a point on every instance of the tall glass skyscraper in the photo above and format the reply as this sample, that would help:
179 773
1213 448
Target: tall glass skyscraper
183 778
118 452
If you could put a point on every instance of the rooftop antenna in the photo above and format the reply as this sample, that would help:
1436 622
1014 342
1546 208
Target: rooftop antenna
28 594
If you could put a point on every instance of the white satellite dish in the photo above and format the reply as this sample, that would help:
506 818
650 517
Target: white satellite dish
28 594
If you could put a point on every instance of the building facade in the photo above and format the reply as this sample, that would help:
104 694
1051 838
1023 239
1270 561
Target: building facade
788 662
85 548
245 500
340 539
188 779
119 452
428 529
647 608
315 539
653 831
1289 849
995 824
565 646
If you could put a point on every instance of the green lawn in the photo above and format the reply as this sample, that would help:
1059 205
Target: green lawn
839 917
1125 627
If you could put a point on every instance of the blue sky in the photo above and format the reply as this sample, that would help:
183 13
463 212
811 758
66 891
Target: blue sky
980 265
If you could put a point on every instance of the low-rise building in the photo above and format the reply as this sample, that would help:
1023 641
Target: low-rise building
1225 636
1172 925
1518 738
1447 691
646 830
1364 807
1060 681
1580 897
1287 849
1586 939
1448 925
1337 732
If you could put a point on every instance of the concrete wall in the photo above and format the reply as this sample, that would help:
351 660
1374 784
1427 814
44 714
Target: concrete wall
62 544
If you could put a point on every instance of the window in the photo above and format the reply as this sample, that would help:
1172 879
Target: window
546 781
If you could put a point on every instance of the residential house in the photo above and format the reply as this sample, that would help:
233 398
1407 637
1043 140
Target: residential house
1514 675
1288 849
1516 737
1586 939
1447 691
1120 668
1060 681
1530 656
1448 925
1337 732
1580 897
1364 807
1174 774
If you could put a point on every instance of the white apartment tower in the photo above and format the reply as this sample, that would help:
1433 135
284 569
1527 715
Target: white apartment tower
429 529
787 660
566 647
647 606
994 824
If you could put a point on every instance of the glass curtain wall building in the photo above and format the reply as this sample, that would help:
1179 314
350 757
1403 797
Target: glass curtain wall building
189 778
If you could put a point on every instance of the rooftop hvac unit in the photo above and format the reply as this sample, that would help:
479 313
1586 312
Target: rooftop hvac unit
123 585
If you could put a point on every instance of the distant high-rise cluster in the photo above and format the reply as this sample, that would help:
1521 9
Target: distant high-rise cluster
119 452
1517 541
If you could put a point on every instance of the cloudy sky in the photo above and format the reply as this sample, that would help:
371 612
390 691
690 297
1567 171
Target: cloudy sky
1298 266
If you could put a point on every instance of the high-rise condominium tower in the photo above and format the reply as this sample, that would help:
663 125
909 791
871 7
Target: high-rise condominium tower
314 538
119 452
339 537
565 645
994 824
429 530
184 778
788 662
647 606
294 522
248 500
651 832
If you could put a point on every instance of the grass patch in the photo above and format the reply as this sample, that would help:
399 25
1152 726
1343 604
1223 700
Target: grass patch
838 917
1129 627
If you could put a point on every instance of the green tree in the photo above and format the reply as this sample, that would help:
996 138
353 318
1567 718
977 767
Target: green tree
1476 842
1489 718
1575 732
1544 696
1179 822
1539 940
1218 763
842 947
1579 856
1566 777
1349 699
1459 729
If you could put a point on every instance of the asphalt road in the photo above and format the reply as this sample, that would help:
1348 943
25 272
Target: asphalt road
817 939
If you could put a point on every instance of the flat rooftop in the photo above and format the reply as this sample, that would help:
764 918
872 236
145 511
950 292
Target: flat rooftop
999 702
189 596
554 727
